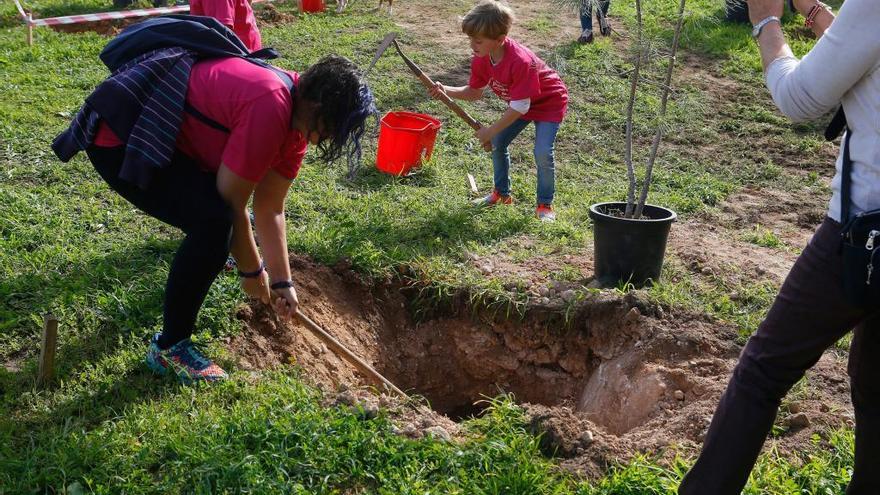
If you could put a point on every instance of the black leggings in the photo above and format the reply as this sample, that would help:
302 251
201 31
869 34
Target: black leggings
186 197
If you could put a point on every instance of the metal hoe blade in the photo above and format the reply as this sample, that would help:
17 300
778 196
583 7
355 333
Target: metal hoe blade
386 42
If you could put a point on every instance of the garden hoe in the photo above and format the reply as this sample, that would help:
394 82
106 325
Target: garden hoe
349 356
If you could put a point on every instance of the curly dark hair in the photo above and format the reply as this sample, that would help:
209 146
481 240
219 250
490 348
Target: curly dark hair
344 103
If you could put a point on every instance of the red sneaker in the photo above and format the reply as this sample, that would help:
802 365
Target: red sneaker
545 213
493 199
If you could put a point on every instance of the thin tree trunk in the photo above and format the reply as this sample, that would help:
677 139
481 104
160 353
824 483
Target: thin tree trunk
633 87
655 146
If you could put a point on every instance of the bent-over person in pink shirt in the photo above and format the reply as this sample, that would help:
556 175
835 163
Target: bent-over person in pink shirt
243 136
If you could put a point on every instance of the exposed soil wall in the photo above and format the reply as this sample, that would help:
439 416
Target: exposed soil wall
621 377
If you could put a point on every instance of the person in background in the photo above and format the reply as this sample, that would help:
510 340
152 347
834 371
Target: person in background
812 311
533 91
237 15
243 138
586 11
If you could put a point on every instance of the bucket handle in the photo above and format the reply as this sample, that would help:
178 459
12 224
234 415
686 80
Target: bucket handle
428 123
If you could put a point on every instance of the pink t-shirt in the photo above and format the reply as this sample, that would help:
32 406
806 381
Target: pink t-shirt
521 74
254 104
237 14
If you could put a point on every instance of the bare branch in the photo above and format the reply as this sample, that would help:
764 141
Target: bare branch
655 146
633 87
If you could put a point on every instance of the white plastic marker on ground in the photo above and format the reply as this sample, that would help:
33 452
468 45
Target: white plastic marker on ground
473 184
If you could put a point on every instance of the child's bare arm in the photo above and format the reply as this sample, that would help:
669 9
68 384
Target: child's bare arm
465 93
485 134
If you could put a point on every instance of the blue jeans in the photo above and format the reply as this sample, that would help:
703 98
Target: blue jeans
545 138
587 12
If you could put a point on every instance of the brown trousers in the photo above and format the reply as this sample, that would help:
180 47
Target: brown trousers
808 316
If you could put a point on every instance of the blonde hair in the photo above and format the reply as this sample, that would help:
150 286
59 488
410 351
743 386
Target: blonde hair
488 19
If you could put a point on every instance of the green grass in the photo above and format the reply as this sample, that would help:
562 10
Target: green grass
70 246
765 237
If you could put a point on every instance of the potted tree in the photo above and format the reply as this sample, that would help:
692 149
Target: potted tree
630 236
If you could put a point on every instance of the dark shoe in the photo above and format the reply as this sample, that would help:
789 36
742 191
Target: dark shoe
604 26
586 36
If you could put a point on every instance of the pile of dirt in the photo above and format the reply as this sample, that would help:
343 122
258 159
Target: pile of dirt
622 377
267 13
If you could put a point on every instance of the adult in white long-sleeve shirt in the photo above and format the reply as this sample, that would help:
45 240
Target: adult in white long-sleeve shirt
810 312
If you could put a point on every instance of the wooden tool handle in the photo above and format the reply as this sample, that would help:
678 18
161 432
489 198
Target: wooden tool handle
428 83
349 356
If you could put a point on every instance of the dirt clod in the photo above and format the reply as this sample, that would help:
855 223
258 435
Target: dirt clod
799 420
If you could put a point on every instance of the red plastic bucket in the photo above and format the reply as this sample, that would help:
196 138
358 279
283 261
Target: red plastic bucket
406 139
311 6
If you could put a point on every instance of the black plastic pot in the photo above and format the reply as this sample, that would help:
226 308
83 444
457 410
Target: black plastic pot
627 249
736 11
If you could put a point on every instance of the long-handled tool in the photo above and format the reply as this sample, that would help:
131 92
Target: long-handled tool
428 83
387 41
349 356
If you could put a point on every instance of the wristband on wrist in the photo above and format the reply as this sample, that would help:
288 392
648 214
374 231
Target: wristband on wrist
756 31
282 284
814 11
254 274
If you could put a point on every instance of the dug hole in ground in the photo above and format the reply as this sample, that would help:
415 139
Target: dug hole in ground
621 377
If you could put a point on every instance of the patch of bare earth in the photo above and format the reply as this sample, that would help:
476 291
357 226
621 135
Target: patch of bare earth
622 377
109 27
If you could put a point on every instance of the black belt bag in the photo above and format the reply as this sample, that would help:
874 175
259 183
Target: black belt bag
860 244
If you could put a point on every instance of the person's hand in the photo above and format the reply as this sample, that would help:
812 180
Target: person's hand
485 135
257 287
762 9
286 302
437 90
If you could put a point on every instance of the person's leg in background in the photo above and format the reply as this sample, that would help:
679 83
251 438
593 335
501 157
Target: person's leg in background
545 141
864 372
501 164
809 315
602 17
586 15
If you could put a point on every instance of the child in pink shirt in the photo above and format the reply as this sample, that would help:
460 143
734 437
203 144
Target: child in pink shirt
237 15
533 91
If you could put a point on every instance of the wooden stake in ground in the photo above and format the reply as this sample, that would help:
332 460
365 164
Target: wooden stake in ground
349 356
47 351
30 29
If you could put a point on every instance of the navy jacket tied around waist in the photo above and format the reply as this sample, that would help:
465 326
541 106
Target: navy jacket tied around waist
144 98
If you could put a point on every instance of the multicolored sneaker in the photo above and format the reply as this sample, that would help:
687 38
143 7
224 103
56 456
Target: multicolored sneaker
545 213
493 199
185 360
